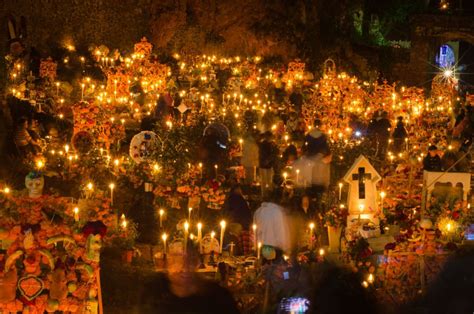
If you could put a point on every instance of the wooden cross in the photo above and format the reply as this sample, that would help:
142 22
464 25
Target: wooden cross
361 176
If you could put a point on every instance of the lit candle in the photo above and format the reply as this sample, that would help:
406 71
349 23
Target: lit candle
254 228
123 222
361 210
76 214
199 236
222 236
190 209
297 175
259 247
161 217
82 91
164 237
216 167
186 230
311 227
112 187
382 196
200 169
57 89
241 141
340 191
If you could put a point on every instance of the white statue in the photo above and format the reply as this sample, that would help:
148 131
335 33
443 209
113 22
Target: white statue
34 183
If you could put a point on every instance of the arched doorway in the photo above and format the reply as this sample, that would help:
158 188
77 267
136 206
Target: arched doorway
456 57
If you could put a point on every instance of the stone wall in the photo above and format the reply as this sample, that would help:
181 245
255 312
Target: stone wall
428 33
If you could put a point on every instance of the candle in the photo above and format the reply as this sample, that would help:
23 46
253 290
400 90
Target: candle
254 173
259 247
57 89
241 141
123 222
216 167
297 176
82 91
161 217
186 230
361 210
199 236
311 227
254 228
222 235
382 195
340 191
190 209
111 186
76 214
164 237
200 169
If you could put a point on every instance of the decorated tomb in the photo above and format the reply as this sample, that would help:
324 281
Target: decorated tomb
362 197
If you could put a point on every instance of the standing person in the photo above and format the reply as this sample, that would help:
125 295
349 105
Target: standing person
272 224
23 140
382 133
432 161
250 158
268 153
399 135
237 211
185 291
318 151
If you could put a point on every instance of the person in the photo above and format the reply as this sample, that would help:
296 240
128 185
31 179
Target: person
23 140
184 291
382 133
237 211
399 135
338 290
267 151
432 161
250 158
290 154
454 159
272 224
316 141
451 290
318 151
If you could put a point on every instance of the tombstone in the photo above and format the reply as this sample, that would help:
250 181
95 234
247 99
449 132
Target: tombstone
362 197
430 178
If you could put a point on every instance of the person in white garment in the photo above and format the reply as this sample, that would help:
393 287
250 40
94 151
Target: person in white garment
272 224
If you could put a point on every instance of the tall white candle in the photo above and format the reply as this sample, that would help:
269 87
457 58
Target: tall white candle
311 227
76 214
112 187
199 236
222 235
164 237
161 212
186 231
254 228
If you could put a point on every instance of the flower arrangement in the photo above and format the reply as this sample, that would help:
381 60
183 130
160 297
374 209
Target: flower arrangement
335 216
213 193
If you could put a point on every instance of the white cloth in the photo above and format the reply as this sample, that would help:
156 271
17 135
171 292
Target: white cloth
304 177
272 226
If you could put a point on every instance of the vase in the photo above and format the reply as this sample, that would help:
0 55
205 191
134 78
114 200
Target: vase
334 234
127 256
